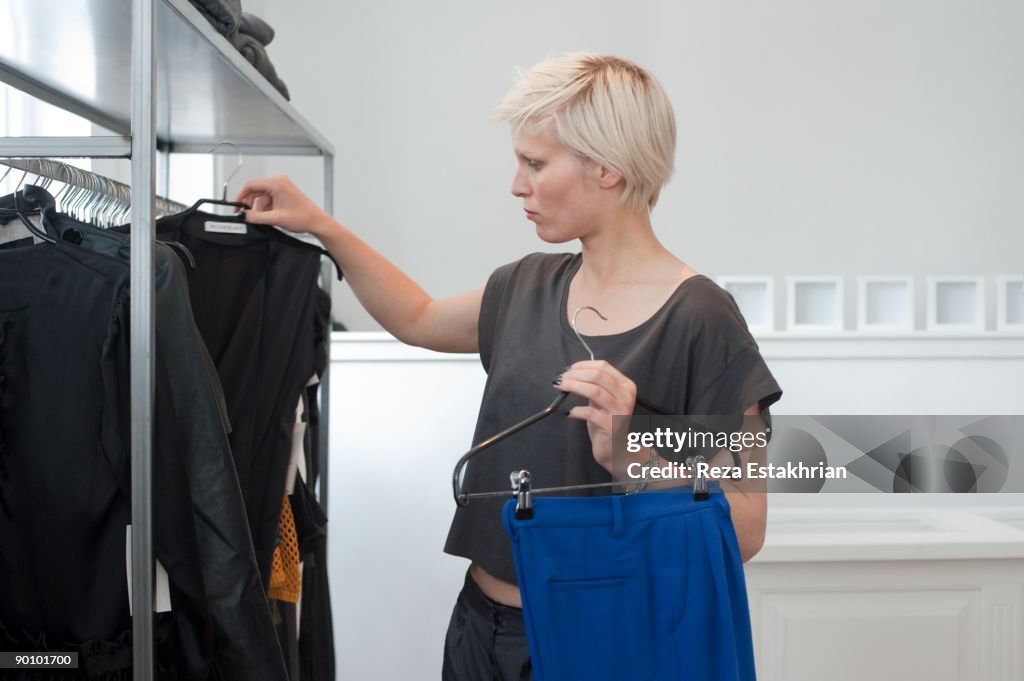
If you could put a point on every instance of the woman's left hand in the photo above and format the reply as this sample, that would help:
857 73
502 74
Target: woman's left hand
609 393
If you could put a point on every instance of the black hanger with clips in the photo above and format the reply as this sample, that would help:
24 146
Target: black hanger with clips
22 215
215 202
242 207
521 480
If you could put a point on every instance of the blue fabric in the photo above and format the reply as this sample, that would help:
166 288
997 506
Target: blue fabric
644 587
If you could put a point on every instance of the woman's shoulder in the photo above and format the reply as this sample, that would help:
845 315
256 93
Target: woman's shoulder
703 291
538 261
730 374
709 310
536 268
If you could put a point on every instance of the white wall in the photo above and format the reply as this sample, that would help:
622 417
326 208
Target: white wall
881 136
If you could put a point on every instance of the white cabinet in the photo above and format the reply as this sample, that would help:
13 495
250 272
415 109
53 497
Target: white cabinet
939 598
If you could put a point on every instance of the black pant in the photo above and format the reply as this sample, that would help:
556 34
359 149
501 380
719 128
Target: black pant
486 640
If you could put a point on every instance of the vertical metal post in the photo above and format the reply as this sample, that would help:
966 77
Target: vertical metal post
327 278
143 336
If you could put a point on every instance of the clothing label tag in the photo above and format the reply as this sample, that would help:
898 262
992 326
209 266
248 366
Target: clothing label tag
226 227
161 583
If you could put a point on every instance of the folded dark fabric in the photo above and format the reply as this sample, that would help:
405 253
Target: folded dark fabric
256 54
256 27
224 15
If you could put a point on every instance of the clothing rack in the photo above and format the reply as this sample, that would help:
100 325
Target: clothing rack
173 49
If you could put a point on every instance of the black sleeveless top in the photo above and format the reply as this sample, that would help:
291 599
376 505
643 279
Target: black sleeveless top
693 356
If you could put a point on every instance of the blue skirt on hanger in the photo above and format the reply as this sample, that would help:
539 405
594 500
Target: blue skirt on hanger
642 587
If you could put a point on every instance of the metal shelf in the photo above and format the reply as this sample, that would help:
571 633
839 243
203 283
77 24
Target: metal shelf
66 147
78 58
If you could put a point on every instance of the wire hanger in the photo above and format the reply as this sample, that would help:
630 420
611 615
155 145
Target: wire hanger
223 200
84 190
224 188
244 206
520 480
461 497
4 177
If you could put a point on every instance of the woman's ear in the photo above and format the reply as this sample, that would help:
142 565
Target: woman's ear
607 178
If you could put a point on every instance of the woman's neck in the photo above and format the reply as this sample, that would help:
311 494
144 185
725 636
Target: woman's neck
626 274
623 250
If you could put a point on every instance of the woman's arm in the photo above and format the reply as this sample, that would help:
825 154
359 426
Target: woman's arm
748 499
393 299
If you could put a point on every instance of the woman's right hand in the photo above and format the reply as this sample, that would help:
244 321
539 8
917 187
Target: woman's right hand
277 201
392 298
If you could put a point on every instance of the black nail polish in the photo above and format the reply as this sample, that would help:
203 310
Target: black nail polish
557 381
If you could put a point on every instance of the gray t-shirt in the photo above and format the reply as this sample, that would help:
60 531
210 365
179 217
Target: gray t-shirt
693 356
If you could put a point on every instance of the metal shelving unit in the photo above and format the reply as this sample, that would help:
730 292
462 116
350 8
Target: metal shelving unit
160 79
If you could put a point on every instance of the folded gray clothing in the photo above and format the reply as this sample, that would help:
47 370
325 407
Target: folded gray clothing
256 27
256 54
225 15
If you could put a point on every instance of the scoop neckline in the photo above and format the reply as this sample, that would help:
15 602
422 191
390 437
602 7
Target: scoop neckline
576 261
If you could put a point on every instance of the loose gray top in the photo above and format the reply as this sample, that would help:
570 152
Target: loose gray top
694 356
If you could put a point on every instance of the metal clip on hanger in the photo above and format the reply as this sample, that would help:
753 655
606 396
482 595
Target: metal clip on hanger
700 483
521 490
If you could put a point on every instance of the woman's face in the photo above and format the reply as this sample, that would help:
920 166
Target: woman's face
560 191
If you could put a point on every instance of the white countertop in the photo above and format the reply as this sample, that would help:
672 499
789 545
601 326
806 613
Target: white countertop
848 534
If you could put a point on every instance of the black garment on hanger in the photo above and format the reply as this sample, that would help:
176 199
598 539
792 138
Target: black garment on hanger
28 202
254 297
316 632
191 425
64 474
286 617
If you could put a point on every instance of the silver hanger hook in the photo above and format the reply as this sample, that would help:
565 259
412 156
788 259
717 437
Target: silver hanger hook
47 179
24 175
575 331
18 186
9 169
224 189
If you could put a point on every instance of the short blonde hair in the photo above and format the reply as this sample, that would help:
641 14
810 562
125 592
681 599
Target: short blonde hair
606 109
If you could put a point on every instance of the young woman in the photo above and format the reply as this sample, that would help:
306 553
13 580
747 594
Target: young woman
594 142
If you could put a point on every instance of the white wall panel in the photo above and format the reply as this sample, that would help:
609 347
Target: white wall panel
881 635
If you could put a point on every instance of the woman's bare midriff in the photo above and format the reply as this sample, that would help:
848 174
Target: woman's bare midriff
496 589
